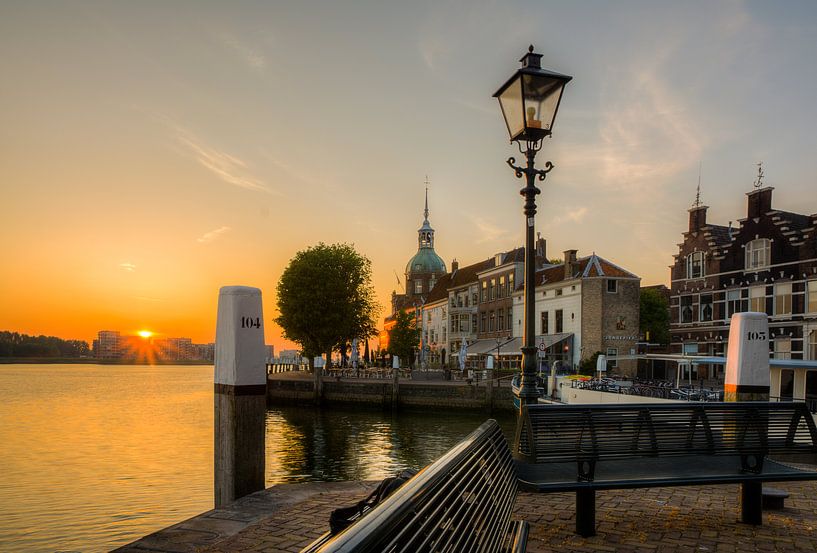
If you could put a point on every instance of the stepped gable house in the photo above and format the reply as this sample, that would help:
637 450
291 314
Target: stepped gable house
767 263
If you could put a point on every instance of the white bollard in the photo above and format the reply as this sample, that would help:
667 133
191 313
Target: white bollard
240 394
747 358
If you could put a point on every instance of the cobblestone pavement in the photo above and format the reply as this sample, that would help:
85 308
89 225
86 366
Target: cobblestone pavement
690 519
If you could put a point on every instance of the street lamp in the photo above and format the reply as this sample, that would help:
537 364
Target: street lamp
529 102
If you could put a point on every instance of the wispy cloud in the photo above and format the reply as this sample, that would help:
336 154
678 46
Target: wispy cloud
487 231
228 168
148 299
571 216
208 237
251 56
129 267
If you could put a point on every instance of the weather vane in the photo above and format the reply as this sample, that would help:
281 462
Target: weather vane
759 181
698 192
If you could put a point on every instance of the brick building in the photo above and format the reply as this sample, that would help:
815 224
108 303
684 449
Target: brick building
767 263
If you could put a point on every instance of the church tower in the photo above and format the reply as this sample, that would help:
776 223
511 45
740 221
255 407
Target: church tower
423 270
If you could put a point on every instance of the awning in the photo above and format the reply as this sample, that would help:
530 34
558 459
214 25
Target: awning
514 345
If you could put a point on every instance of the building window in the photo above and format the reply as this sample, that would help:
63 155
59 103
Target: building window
695 265
492 290
782 298
786 383
501 292
464 320
454 322
500 319
811 385
812 344
757 299
510 319
686 309
484 290
811 296
706 307
474 298
510 283
558 291
482 322
758 253
782 348
612 286
612 363
491 321
418 286
559 326
733 303
545 322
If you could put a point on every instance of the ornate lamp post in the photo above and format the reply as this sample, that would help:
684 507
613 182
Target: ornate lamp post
529 102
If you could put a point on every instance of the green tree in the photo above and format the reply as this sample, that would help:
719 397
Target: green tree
654 316
404 336
587 366
326 298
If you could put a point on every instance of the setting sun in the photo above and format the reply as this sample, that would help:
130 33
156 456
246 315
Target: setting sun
145 333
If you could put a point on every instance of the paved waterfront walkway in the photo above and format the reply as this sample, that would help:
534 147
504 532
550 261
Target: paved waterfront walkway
692 519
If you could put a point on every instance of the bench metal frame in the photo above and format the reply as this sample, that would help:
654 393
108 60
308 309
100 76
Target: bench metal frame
584 448
460 503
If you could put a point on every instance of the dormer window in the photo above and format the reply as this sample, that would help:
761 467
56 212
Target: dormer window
758 253
695 265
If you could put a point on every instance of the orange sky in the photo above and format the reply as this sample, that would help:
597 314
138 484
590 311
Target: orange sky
150 154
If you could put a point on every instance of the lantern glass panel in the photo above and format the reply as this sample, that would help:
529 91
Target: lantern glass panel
511 102
542 96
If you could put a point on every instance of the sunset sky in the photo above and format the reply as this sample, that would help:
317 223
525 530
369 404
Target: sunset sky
151 152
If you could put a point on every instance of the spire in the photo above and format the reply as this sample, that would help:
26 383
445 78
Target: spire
426 233
425 212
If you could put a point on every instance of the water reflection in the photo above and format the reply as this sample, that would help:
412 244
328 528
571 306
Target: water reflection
306 444
96 456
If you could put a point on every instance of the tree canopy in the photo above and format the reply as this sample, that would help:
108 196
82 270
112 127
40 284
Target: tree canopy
326 298
404 336
654 316
14 344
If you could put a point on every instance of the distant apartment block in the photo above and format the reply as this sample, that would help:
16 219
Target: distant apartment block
112 345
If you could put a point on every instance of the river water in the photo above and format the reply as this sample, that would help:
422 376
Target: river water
96 456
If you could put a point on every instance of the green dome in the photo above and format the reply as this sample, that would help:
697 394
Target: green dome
425 260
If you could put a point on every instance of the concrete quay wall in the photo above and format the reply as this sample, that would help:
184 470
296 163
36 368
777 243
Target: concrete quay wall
454 395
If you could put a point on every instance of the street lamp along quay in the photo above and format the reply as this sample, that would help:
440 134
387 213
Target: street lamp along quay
529 102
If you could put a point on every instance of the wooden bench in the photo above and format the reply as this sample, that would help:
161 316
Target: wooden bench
460 503
584 448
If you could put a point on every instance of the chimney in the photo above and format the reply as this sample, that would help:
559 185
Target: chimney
697 217
541 251
570 263
454 266
759 202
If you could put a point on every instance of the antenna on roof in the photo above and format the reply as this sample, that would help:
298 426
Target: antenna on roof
759 182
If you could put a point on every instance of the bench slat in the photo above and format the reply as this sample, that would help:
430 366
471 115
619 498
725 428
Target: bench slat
461 502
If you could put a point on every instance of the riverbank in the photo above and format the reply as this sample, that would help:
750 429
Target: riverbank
298 388
92 361
697 518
